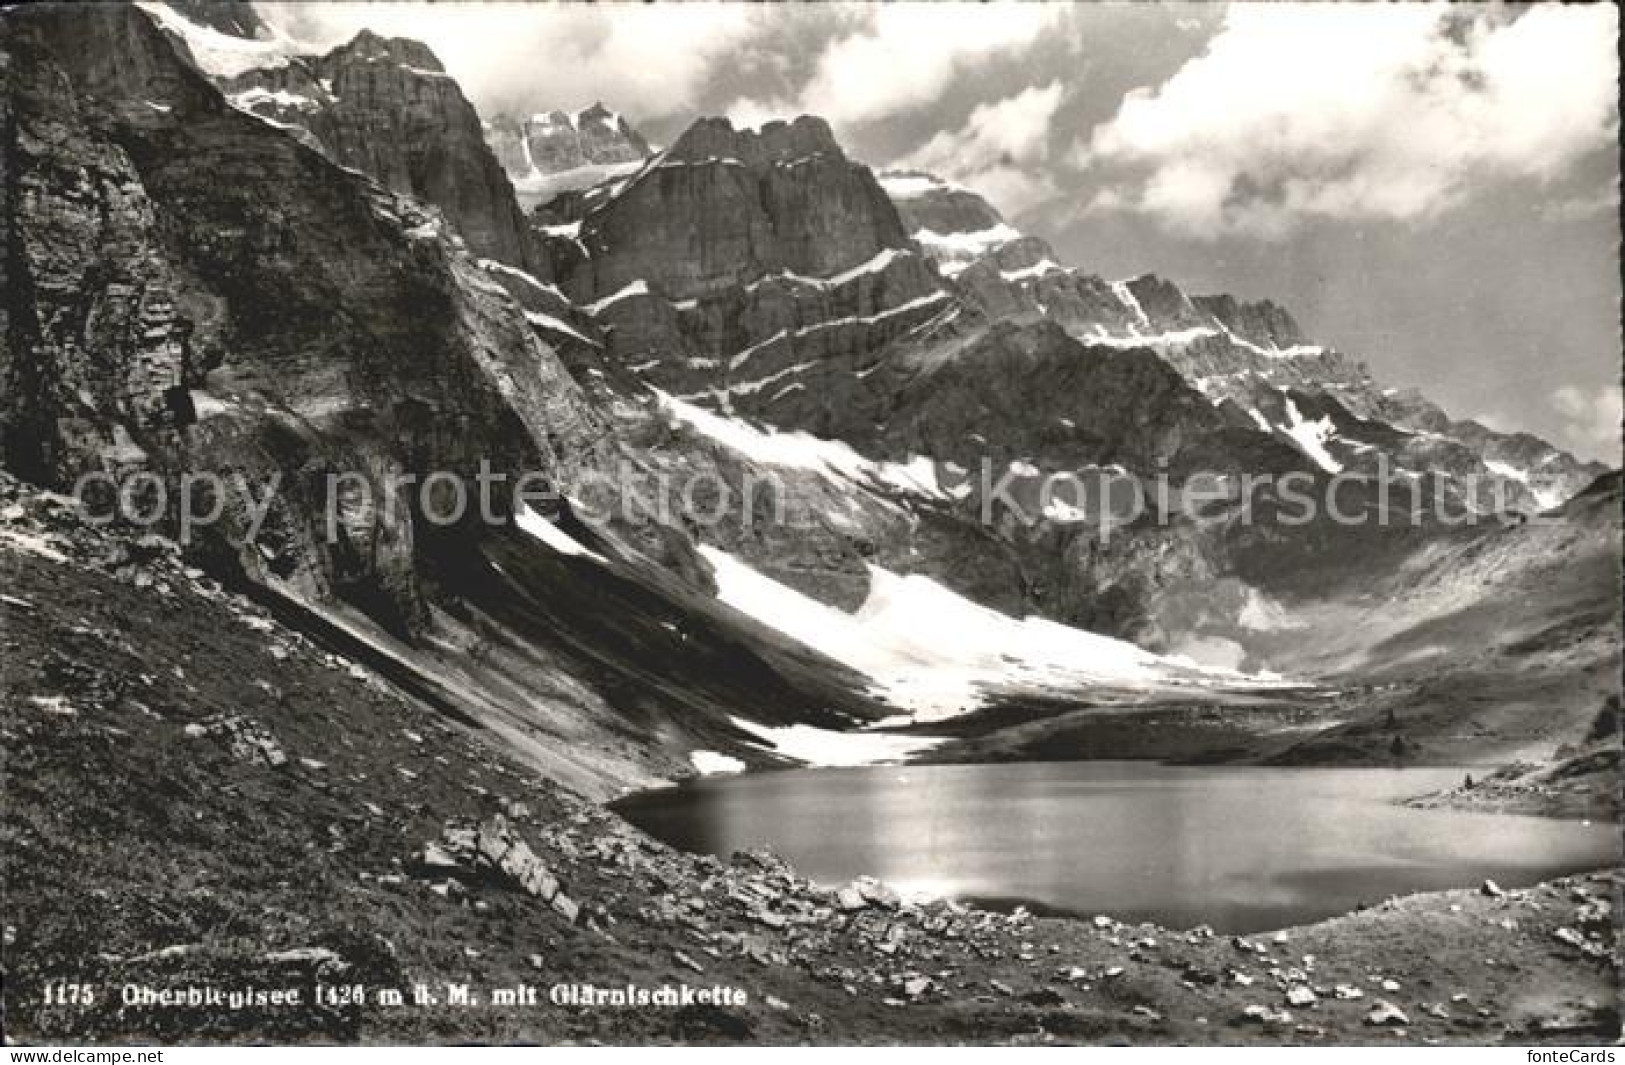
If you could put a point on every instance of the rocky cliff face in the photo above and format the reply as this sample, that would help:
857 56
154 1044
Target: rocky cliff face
269 315
723 207
555 151
1264 323
762 271
383 106
387 108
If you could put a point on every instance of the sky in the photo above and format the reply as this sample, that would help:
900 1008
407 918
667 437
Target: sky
1431 189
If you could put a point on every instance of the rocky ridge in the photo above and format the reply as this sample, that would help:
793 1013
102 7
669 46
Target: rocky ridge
1252 354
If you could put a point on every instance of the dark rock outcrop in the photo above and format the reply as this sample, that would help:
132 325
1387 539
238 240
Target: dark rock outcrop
235 17
925 202
722 207
268 317
1265 323
1161 301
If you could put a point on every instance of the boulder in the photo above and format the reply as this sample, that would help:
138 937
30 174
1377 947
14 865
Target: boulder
849 899
1385 1014
565 906
873 891
1265 1015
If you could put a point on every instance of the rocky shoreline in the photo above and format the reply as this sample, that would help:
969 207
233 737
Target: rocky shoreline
1578 785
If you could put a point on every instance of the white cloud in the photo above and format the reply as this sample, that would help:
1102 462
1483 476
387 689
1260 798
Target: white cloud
905 56
1354 111
646 59
1002 150
1594 419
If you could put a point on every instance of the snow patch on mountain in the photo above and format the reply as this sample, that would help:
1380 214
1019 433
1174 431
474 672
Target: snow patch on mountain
803 451
879 262
553 536
639 287
1311 437
1150 340
552 324
221 55
1502 469
909 186
710 763
741 357
873 265
934 654
538 187
493 266
1038 269
1545 497
1260 613
1126 297
955 251
248 99
826 747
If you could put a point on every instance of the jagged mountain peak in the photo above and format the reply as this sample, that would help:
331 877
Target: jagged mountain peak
1162 300
1247 354
1264 322
715 137
551 152
368 46
595 114
724 206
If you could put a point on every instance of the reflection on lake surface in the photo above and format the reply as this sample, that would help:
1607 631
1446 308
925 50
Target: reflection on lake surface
1238 848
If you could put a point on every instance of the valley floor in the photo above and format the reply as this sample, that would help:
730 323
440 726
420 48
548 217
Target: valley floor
198 796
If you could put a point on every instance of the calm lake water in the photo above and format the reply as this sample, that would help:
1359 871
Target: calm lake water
1239 848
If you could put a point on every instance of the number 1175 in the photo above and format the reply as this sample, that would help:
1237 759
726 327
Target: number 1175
62 994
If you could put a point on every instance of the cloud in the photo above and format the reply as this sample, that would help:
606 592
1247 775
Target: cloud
1593 419
1358 112
1002 151
647 59
903 56
1583 207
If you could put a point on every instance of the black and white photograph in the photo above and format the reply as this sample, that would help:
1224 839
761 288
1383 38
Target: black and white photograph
849 524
